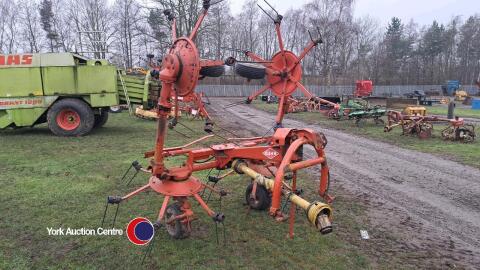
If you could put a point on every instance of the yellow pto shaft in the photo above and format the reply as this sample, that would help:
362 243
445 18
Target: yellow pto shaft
319 214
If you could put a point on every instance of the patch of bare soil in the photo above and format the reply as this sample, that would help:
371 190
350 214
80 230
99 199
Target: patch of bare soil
423 211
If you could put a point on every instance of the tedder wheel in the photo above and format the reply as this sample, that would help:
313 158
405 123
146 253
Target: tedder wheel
263 197
176 229
250 71
70 117
213 71
465 133
101 119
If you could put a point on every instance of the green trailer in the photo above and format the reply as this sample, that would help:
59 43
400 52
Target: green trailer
69 92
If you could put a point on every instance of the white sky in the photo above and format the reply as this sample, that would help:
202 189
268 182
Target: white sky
421 11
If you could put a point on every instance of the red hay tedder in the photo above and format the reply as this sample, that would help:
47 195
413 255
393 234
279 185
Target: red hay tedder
271 162
283 73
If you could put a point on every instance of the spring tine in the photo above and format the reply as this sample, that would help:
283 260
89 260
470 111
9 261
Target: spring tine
216 231
285 204
187 127
206 181
228 131
220 203
131 179
104 214
271 6
266 12
186 136
115 218
209 194
125 174
149 249
224 234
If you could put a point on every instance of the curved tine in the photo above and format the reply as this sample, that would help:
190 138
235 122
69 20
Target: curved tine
264 11
271 7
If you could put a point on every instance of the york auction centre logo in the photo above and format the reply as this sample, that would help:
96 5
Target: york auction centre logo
140 231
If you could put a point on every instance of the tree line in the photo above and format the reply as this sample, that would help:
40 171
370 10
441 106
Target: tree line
125 31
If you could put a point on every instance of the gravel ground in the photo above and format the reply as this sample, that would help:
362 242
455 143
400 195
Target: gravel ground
421 206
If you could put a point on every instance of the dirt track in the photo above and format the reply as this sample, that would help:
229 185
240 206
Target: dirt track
424 205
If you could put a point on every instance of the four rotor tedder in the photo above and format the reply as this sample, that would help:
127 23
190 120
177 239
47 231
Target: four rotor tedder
271 162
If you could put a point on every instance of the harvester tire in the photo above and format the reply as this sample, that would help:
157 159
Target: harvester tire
101 119
263 197
250 71
212 71
177 229
70 117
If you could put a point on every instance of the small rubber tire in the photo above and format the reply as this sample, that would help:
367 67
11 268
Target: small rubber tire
212 71
263 197
177 230
101 119
115 109
76 106
250 71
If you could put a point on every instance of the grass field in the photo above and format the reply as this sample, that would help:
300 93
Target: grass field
460 112
461 152
49 181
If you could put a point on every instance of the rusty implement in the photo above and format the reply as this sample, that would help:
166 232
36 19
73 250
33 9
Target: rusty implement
422 126
271 162
312 104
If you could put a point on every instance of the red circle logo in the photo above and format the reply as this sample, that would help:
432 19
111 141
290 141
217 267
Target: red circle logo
140 231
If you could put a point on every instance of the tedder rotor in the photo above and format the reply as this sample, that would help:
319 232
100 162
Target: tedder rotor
270 162
283 72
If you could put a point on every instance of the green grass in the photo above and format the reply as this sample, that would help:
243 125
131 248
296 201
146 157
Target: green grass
50 181
460 112
464 153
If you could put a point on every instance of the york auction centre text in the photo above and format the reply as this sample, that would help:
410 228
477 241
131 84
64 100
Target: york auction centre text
83 231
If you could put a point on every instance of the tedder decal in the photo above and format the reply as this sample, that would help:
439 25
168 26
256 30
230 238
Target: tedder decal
25 103
16 60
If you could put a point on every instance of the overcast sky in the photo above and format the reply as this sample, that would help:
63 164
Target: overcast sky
422 11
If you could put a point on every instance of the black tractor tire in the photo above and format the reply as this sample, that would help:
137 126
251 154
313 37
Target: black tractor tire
70 117
264 200
115 109
177 229
101 119
250 71
213 71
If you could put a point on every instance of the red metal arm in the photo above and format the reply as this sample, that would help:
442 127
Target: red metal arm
174 29
197 25
280 44
257 58
210 63
307 49
304 90
259 92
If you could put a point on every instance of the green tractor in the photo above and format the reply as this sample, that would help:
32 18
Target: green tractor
359 110
69 92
